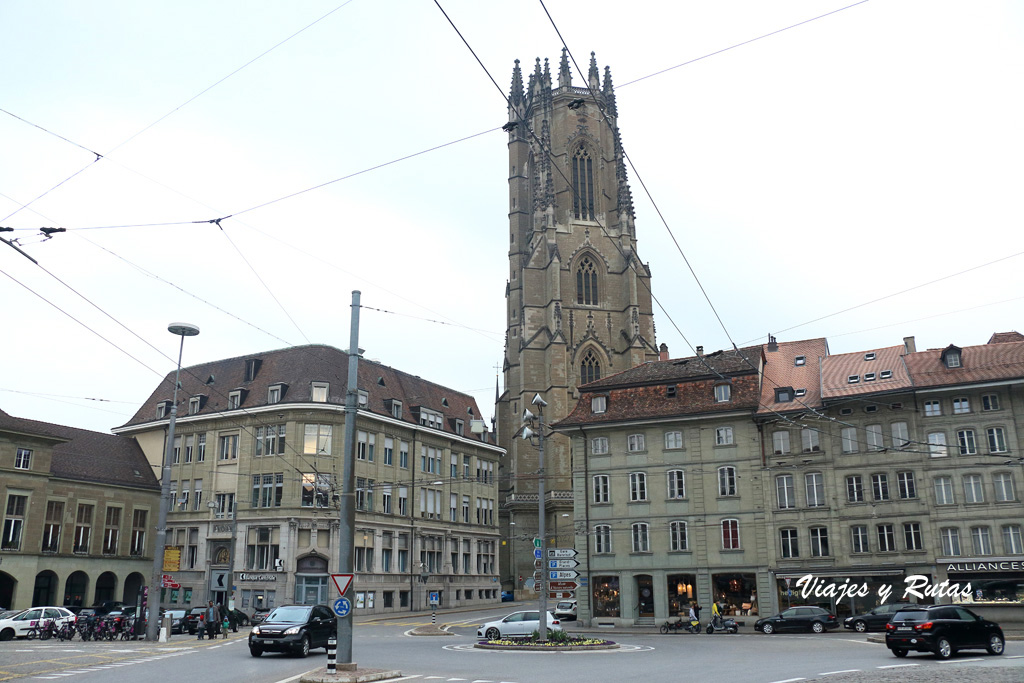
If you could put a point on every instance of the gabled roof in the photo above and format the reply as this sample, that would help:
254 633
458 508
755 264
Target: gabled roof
983 363
836 372
1003 337
89 456
781 370
298 367
643 392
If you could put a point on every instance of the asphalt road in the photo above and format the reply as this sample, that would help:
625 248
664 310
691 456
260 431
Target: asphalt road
385 643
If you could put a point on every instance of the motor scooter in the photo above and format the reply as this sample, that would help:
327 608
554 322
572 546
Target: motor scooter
726 624
673 626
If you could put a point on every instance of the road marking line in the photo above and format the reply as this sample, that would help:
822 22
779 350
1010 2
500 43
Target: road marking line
897 666
959 661
842 671
295 678
790 680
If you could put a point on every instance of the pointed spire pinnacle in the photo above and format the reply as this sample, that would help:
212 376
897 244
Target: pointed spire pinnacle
564 75
536 79
515 95
609 92
594 77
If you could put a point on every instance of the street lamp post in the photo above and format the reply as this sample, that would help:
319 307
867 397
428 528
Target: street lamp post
156 580
528 433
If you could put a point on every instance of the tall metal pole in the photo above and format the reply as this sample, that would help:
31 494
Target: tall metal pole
347 515
540 526
156 579
229 600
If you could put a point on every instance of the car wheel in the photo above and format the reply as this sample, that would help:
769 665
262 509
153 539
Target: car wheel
818 627
7 634
943 648
899 652
995 645
303 650
859 626
768 628
493 634
255 651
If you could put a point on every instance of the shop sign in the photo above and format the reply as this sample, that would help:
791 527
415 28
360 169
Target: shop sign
245 576
1003 566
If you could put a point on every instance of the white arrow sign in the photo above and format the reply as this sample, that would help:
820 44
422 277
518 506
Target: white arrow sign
563 564
561 553
562 575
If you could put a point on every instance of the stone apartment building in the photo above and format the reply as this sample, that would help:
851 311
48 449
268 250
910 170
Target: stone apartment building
78 511
256 471
870 467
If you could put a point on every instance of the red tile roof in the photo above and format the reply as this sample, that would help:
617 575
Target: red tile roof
1003 337
781 370
836 371
984 363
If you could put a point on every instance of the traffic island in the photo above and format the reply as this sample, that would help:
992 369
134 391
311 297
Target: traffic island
349 673
431 630
580 645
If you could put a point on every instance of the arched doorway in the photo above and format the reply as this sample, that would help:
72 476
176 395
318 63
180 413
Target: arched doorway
132 585
7 585
106 586
311 580
45 590
75 589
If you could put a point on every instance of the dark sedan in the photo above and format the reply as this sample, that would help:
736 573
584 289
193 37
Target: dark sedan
942 630
806 618
874 619
293 628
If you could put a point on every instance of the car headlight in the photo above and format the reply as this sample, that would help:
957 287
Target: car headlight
294 630
255 630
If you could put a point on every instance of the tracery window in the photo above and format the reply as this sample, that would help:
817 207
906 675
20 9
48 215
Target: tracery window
590 368
583 185
586 282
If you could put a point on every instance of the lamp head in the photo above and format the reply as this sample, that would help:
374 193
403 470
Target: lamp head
528 416
527 433
183 329
538 401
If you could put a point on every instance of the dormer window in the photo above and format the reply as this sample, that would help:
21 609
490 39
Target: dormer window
853 379
784 394
800 360
275 392
431 418
194 404
161 409
234 399
318 392
953 359
723 393
252 366
869 377
460 427
885 374
869 355
598 404
395 408
670 391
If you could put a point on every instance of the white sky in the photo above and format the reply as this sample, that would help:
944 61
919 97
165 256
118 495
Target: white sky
839 162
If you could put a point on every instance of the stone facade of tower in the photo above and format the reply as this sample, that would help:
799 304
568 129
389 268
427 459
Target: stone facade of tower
578 295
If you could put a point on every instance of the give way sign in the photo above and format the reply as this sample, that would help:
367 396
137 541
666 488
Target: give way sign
342 582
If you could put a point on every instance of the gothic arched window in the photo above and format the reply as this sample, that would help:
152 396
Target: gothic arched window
590 368
586 282
583 185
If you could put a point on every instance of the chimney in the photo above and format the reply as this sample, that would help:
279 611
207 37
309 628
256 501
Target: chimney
663 352
909 346
700 351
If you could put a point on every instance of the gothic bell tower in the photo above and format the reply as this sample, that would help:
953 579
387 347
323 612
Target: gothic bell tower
578 296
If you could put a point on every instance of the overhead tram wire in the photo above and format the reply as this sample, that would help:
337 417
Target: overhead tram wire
175 110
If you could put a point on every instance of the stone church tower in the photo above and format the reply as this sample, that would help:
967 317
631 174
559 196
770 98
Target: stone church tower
578 295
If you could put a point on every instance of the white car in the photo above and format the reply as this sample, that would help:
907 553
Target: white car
566 610
516 625
18 625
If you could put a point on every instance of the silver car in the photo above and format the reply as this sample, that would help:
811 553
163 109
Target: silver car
516 625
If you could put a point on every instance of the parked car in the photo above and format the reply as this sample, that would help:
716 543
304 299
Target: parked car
259 615
565 610
293 628
192 619
874 619
17 626
508 596
942 630
517 625
240 618
802 618
174 620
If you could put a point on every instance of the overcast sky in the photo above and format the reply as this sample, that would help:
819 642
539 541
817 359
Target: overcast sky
840 162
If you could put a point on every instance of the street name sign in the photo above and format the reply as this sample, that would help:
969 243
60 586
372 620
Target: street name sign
563 585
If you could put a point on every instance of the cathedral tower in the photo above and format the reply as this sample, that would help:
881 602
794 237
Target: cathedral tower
578 296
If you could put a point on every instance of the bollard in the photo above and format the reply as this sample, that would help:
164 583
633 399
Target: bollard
433 618
332 646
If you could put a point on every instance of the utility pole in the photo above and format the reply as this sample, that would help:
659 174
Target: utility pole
347 514
528 419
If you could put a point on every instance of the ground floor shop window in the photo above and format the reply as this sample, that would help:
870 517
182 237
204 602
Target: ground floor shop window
606 596
991 589
389 599
736 594
403 598
790 594
681 588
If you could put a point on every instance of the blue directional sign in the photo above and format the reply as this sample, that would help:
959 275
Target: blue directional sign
538 554
342 607
434 598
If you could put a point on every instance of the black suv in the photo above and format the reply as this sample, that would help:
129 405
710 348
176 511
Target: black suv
941 629
875 619
293 628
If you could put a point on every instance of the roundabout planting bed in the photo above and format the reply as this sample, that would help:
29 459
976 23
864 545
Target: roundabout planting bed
560 645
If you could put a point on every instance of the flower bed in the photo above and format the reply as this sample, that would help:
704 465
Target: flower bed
531 644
